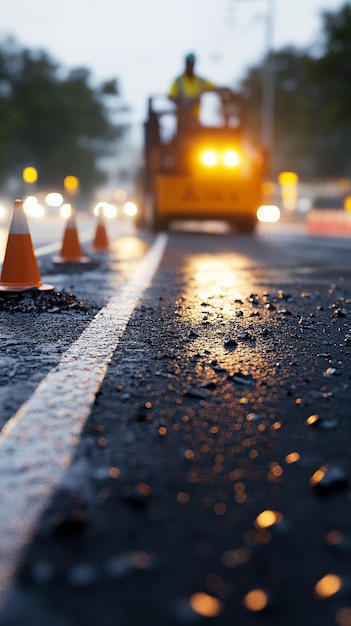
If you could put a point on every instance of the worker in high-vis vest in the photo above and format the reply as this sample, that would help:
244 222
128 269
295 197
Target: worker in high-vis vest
186 91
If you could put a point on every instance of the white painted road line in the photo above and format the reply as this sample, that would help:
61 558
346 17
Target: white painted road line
54 247
37 445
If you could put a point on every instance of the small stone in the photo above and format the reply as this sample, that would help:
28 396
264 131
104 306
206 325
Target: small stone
230 343
241 378
341 312
330 371
208 385
192 334
164 374
124 396
245 335
284 296
218 367
192 392
253 417
254 299
329 478
143 414
325 424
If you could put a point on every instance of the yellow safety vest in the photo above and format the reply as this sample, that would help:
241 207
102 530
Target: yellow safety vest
186 90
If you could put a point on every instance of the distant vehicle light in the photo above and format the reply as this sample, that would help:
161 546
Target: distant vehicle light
97 208
29 202
209 158
32 208
54 199
36 210
130 209
106 209
110 211
268 213
231 158
65 211
39 211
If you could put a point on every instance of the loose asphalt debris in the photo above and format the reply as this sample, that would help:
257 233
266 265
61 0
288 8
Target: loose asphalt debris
213 476
35 302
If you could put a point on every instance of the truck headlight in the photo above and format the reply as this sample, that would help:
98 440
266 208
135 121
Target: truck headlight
231 158
209 158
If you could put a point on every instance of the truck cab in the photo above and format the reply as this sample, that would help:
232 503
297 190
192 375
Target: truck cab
199 169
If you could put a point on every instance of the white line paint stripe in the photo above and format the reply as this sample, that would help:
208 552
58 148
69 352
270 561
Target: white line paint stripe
38 443
54 247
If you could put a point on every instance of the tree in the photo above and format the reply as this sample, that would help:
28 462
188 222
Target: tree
331 71
312 122
291 114
58 124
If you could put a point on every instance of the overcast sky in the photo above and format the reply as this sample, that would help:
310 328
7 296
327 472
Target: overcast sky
143 42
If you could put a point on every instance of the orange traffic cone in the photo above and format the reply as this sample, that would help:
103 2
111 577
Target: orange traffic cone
71 250
20 270
100 241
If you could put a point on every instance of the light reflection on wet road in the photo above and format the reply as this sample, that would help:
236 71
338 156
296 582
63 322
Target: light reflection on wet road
197 455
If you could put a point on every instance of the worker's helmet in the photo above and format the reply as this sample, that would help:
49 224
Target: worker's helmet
190 57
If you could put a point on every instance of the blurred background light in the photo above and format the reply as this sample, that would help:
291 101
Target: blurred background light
268 213
54 199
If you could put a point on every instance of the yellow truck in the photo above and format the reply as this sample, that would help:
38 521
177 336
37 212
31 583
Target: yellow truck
206 170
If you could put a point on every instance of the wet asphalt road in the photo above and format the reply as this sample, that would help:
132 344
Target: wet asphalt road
200 426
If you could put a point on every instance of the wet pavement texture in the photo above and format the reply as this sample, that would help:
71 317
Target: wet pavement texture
211 483
38 327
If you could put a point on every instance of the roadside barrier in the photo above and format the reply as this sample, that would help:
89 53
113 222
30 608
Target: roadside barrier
71 250
100 241
20 270
332 222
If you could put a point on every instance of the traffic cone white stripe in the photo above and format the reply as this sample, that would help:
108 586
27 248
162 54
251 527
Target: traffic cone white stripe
19 225
71 221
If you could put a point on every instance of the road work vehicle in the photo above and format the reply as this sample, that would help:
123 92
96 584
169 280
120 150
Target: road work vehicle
203 170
